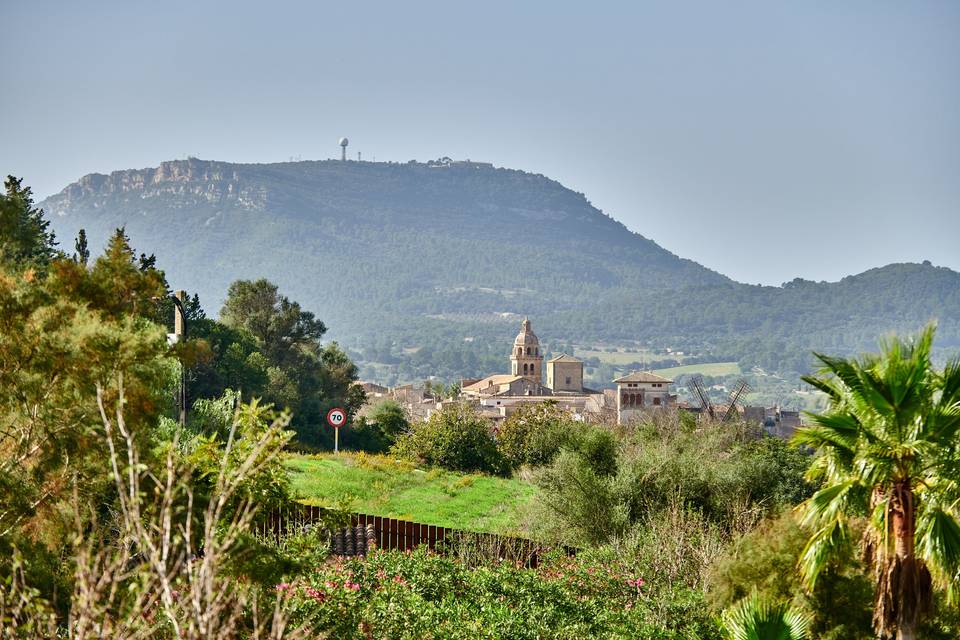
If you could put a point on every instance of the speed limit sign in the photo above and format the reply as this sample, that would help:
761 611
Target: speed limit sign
336 418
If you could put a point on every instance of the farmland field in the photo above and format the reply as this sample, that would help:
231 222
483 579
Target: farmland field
380 485
707 369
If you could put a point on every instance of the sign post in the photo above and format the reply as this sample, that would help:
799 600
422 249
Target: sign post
336 418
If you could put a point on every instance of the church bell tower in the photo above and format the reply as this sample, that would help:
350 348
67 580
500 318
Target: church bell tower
525 358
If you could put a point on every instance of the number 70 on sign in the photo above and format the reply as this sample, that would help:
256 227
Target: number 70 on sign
336 418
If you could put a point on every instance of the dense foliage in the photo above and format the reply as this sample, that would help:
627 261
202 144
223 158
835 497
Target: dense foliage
887 451
97 482
723 473
534 434
393 595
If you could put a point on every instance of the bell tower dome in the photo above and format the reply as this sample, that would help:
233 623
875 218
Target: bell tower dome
525 358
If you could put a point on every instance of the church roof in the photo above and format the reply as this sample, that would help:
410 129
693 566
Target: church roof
565 358
495 380
526 337
642 376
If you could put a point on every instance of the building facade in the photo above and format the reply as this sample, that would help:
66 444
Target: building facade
639 392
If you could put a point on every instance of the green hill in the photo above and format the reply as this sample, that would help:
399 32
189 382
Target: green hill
426 268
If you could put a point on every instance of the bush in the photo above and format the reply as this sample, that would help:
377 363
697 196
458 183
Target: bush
456 438
534 434
379 430
602 486
421 595
841 605
764 561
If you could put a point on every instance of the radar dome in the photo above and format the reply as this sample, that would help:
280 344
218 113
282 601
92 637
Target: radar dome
344 142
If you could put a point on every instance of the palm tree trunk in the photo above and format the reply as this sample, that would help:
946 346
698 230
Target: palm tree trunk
905 581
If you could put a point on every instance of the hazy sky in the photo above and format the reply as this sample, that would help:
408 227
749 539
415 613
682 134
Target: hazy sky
766 140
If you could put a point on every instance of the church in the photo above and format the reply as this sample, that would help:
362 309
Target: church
500 395
564 373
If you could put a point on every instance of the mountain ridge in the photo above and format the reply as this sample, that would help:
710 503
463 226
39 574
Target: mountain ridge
401 248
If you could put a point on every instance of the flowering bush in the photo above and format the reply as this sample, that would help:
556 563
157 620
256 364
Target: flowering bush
423 595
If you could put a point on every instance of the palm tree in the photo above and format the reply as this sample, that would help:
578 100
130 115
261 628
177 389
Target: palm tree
754 618
887 449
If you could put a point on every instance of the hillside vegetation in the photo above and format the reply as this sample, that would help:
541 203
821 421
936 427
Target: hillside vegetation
424 269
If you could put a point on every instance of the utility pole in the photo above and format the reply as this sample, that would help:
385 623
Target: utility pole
179 335
180 329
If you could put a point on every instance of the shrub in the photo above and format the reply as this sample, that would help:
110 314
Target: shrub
421 595
534 434
764 561
377 431
604 485
456 438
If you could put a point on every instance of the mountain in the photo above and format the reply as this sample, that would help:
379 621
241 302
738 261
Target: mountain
440 256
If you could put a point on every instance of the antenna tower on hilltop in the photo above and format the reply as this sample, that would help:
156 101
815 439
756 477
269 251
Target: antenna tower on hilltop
343 149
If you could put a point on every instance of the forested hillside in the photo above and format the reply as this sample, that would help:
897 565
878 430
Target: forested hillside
426 267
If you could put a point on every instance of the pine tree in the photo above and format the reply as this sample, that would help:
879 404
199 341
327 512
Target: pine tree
82 256
25 238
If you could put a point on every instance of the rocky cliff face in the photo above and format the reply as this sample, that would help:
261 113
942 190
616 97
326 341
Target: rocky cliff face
184 181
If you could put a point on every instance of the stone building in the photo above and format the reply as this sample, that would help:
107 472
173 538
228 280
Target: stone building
500 395
565 374
639 392
525 358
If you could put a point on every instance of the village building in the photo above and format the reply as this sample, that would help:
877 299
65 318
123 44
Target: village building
500 395
639 392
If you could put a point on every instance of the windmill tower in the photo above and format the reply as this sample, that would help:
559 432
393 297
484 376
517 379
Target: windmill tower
343 149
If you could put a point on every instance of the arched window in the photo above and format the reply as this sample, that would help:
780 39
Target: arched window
519 351
536 351
524 368
528 350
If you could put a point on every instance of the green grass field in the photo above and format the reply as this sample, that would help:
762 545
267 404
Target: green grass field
708 369
382 486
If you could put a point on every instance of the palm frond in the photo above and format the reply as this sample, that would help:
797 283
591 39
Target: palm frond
950 382
938 543
754 618
827 504
829 541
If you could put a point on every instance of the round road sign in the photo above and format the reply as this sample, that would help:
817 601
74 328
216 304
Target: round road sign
336 417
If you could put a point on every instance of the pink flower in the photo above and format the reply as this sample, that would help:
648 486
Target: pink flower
330 585
636 583
352 586
319 596
283 587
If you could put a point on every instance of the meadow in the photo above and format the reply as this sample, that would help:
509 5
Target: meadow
380 485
